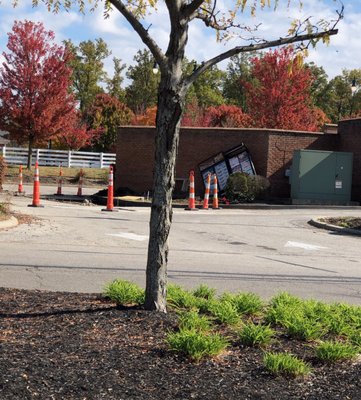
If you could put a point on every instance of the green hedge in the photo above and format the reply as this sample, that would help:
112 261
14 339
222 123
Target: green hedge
242 187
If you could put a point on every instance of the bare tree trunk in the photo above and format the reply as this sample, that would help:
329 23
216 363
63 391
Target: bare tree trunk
170 106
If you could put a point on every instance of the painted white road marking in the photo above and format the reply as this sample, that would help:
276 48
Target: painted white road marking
131 236
305 246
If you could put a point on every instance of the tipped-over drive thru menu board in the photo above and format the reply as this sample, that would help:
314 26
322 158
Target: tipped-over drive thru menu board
223 164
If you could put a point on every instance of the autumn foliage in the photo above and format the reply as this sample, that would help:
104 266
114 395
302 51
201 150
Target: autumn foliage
34 86
77 136
195 115
280 98
228 116
104 116
146 119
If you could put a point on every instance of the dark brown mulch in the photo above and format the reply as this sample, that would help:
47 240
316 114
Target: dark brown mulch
79 346
345 222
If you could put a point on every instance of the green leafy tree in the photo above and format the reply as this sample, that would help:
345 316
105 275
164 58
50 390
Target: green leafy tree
238 72
319 86
141 94
114 84
173 88
88 69
107 113
206 91
341 102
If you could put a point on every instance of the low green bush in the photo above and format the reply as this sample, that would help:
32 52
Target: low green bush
256 335
195 344
225 312
285 364
204 292
331 351
303 328
245 303
124 292
242 187
191 320
180 298
355 338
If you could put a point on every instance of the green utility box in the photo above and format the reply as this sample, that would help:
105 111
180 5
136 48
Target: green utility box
321 176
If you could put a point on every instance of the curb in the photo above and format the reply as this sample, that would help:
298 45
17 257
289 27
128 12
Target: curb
242 206
334 228
8 223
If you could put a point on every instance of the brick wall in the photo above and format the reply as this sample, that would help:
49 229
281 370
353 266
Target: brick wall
281 147
349 132
271 152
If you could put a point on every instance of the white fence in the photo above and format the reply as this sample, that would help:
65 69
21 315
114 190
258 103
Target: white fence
80 159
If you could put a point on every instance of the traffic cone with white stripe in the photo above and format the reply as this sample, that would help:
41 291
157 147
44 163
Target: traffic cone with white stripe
110 199
215 205
36 189
80 183
206 193
192 198
20 185
60 182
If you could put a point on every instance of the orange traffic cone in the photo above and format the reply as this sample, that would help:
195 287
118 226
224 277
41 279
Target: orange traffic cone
60 182
206 193
110 199
192 199
215 193
20 186
36 190
80 184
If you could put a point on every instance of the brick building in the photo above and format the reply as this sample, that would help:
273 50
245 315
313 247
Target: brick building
271 151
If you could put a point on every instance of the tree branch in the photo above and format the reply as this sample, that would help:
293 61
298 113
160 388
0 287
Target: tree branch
190 9
141 31
254 47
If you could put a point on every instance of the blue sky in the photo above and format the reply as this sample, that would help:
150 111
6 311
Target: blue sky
344 51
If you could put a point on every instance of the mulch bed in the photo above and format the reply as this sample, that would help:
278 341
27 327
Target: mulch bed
351 222
80 346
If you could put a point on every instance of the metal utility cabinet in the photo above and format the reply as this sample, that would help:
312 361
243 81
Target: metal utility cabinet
324 176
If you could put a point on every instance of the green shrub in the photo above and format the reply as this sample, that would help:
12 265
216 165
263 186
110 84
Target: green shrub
195 344
334 351
242 187
204 292
281 314
2 172
191 320
256 335
285 364
355 338
304 328
245 303
124 292
180 298
285 299
225 312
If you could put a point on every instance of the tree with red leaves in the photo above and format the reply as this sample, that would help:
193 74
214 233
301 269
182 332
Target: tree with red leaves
228 116
225 116
146 119
281 95
79 135
36 105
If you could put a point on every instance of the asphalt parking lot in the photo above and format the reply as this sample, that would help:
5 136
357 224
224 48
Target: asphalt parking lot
76 247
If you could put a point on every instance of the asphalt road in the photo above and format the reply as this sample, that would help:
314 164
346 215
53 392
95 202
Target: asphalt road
74 247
